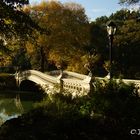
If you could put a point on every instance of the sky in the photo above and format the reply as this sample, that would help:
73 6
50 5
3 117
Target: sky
94 8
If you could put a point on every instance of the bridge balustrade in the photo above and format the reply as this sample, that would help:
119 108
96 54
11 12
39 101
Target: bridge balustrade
75 85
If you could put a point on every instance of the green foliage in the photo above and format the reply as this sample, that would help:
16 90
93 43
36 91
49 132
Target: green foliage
112 99
21 61
125 45
59 105
13 22
127 50
15 27
98 36
98 47
113 108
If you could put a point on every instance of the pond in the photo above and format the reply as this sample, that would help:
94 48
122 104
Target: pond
15 103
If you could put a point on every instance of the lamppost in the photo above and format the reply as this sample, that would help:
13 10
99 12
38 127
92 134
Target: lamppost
111 29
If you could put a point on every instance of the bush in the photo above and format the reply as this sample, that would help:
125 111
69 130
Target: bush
111 110
117 101
113 99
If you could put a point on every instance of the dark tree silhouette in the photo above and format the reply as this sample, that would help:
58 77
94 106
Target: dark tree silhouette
129 2
12 2
13 20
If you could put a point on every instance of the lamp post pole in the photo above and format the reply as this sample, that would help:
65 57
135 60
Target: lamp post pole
110 55
111 29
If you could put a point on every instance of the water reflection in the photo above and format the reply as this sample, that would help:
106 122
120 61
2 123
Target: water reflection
18 103
12 105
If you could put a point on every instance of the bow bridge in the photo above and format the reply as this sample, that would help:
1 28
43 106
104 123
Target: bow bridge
55 81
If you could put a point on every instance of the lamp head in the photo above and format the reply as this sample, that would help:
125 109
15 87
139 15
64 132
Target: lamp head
111 28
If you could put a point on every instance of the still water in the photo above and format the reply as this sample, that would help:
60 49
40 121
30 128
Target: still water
15 103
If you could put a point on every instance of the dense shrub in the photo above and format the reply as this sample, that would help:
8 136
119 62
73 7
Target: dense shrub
115 103
114 98
110 112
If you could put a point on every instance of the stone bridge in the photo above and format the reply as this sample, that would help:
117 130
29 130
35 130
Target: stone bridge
57 81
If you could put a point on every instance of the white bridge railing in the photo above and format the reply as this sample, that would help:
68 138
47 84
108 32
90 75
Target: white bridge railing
35 76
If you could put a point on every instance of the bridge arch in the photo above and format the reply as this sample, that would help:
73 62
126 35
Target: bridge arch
28 85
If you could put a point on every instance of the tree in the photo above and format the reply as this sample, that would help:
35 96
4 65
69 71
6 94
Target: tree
20 60
127 49
98 45
126 43
129 2
19 2
15 28
13 20
69 30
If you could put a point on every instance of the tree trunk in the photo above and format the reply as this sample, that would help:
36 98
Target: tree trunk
42 59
